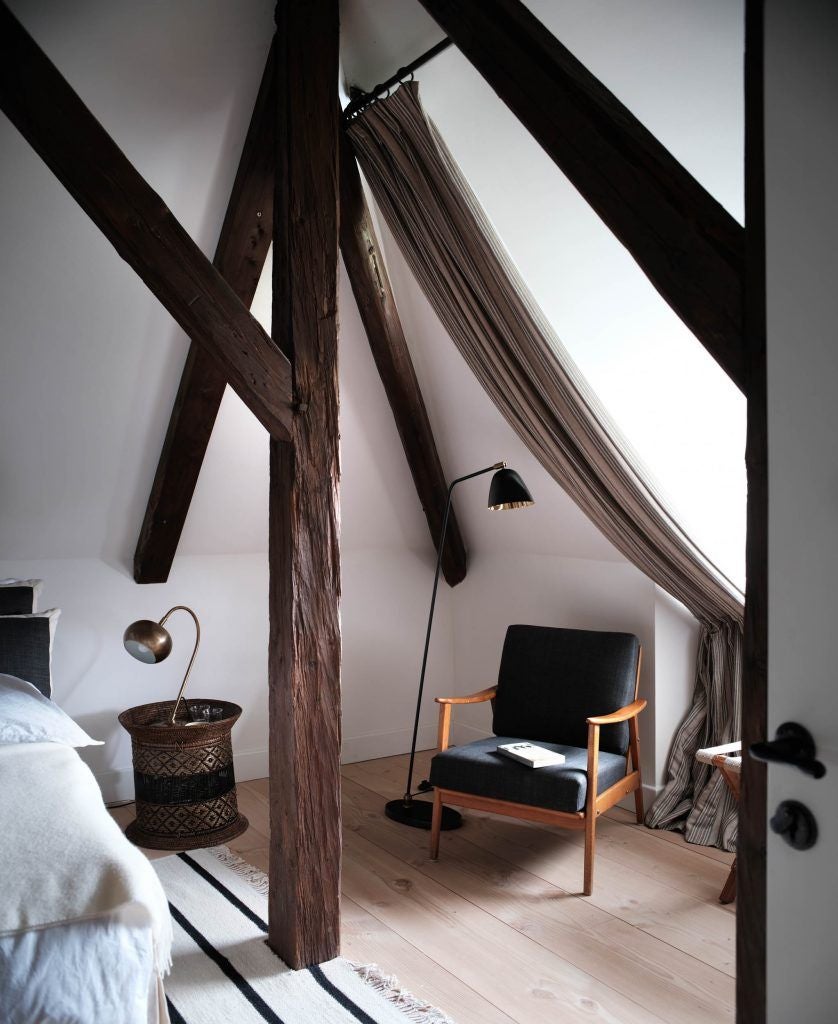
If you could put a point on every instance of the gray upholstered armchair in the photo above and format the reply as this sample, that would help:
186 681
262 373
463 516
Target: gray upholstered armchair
570 690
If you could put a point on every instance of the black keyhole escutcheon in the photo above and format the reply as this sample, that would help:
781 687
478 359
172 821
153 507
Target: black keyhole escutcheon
796 824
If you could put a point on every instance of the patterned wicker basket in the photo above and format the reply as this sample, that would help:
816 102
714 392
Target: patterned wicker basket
185 788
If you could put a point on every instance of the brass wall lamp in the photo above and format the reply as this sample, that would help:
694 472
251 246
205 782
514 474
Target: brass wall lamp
151 643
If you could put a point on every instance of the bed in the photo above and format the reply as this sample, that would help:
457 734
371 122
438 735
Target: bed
85 932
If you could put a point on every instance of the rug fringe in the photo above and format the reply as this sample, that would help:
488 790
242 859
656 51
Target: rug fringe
417 1010
255 878
387 985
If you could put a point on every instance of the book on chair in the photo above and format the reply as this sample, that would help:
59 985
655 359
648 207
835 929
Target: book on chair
531 755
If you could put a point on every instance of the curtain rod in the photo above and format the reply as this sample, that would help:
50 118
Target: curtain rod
363 99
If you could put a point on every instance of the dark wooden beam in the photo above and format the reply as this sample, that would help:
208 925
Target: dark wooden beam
134 219
304 544
239 257
688 246
751 843
371 285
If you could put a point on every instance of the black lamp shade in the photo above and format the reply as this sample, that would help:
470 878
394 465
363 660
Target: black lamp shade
508 490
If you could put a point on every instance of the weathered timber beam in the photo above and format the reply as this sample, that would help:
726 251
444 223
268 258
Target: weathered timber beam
134 219
242 248
688 246
239 257
371 285
304 516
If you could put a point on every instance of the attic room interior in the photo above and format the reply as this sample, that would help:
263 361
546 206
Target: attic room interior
296 297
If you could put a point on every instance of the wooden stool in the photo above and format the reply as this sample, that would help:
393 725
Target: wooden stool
723 757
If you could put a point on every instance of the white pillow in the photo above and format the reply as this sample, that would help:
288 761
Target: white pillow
27 716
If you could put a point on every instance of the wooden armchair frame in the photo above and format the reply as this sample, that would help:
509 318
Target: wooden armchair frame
595 803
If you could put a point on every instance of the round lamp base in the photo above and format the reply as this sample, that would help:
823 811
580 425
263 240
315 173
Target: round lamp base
418 813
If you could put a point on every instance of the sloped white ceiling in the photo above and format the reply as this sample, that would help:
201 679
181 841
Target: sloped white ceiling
91 362
677 65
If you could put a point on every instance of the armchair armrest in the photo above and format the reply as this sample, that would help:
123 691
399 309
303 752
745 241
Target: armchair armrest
623 715
445 704
472 698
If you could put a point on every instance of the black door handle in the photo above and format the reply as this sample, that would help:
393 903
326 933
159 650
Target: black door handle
792 745
796 824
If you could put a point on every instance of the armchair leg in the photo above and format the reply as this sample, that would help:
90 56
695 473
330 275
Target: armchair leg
436 824
728 893
590 807
590 848
638 804
634 749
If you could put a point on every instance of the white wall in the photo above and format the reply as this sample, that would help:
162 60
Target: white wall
677 65
546 564
91 363
89 366
675 650
384 601
94 678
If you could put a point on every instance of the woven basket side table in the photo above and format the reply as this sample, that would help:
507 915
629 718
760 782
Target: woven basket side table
184 783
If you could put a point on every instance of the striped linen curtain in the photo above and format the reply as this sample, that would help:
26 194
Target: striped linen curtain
494 321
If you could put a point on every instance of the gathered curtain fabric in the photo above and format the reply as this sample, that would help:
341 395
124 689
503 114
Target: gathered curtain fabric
496 324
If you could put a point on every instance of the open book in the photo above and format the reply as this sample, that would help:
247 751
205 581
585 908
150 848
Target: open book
530 755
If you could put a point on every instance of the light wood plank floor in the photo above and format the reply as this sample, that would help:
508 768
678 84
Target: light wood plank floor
496 932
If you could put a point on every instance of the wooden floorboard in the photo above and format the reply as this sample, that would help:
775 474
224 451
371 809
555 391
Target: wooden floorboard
674 985
495 931
676 838
366 940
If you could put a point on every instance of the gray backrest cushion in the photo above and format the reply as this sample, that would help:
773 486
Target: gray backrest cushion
552 680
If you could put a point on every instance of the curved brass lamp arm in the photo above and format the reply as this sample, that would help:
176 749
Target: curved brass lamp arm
184 608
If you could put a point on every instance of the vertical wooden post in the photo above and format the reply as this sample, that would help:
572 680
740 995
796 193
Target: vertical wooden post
304 658
751 881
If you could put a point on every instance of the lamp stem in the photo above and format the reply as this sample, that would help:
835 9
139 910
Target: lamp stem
183 608
408 795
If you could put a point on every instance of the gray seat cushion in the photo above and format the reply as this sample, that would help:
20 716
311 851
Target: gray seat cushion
551 680
478 768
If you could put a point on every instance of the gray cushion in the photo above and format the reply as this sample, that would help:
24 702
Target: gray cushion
18 597
552 680
478 768
26 647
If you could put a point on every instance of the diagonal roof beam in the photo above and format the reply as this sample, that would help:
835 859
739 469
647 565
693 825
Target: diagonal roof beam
239 257
688 246
241 253
376 304
52 118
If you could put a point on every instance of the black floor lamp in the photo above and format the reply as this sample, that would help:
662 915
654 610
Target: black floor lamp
507 490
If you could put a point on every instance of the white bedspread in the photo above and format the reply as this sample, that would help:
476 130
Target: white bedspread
99 970
65 861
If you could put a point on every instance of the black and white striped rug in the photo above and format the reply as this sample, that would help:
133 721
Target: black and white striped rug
224 973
